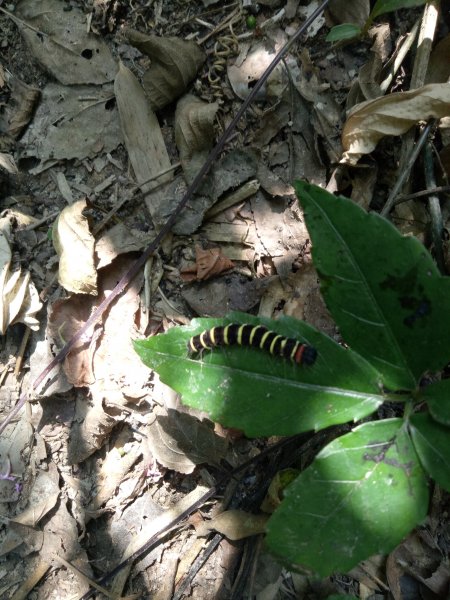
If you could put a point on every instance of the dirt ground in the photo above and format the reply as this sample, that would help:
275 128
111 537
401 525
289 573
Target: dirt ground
91 168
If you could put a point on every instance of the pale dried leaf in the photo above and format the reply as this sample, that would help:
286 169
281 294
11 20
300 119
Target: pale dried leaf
7 162
74 245
19 109
119 240
391 115
175 63
194 132
238 524
143 139
64 47
19 300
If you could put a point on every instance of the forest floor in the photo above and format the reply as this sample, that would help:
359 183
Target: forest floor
94 158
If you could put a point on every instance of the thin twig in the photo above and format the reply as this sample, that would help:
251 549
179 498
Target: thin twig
407 169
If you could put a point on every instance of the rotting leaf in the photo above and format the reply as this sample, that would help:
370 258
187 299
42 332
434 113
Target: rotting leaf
63 46
180 442
194 132
174 65
391 115
19 299
208 263
74 245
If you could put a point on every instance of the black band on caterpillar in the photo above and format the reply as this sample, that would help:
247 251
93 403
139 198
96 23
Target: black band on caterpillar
256 336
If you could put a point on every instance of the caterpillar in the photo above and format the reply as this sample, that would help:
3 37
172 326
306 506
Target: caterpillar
256 336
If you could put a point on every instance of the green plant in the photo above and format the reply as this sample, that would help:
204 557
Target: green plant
368 488
349 31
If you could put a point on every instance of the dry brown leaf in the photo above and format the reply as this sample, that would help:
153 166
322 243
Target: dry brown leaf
209 263
87 123
19 109
356 12
63 46
105 359
180 441
74 245
194 132
119 240
19 300
370 121
237 524
439 65
175 63
143 139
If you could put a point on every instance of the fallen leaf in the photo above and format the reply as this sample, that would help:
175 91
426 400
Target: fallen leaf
194 132
237 524
180 441
208 263
74 245
72 122
19 299
143 139
394 114
175 63
218 297
119 240
17 113
243 75
62 45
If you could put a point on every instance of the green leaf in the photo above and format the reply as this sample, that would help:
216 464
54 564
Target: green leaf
383 290
437 396
260 393
345 31
384 6
432 443
362 494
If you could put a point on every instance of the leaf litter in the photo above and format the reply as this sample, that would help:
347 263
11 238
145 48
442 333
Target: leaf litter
103 155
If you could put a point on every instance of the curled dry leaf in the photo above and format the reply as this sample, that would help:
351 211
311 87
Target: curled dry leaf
19 300
208 263
63 45
74 245
174 65
18 111
194 132
391 115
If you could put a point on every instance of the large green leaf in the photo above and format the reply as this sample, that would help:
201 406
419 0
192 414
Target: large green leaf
264 394
437 396
432 443
384 291
362 494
